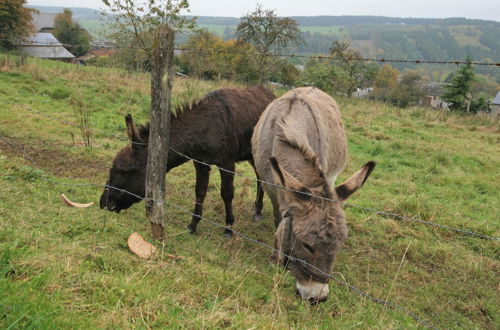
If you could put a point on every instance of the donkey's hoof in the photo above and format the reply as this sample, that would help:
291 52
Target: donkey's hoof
257 217
228 233
192 229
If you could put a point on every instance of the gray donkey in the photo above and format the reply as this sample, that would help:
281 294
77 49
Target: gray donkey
300 143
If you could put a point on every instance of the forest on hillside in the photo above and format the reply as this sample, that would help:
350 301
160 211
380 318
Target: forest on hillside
396 37
373 36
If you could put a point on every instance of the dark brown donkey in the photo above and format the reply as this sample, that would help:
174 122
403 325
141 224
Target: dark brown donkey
215 130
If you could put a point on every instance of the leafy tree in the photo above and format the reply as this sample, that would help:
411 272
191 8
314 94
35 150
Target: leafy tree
15 21
134 22
75 38
458 92
348 59
267 33
480 103
323 75
208 56
409 90
287 73
385 82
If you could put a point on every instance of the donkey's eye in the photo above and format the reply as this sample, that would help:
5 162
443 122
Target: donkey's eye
308 248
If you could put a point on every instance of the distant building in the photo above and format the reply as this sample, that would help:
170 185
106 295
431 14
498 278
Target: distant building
42 43
362 92
432 96
495 105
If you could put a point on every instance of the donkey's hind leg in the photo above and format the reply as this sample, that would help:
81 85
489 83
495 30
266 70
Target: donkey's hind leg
202 176
259 197
227 194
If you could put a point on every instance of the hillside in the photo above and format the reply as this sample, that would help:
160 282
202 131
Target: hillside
65 267
375 36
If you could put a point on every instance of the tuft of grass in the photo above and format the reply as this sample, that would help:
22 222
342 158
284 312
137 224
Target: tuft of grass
60 94
82 116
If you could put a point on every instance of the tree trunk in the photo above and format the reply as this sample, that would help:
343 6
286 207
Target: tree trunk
161 92
262 67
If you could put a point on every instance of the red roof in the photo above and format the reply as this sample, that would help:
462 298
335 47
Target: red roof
103 52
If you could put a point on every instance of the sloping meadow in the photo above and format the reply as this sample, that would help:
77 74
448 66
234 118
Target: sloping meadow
67 267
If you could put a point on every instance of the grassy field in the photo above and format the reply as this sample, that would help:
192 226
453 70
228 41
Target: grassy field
65 267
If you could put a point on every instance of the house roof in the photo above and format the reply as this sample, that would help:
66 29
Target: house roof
41 39
103 52
47 51
44 45
43 20
497 99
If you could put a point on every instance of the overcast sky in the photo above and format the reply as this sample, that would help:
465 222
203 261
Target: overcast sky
483 9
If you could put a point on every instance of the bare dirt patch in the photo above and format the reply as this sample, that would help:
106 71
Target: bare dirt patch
57 162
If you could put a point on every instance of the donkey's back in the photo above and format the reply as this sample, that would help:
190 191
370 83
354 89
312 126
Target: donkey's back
301 122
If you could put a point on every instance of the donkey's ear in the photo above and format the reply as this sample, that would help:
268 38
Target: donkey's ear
133 133
352 184
289 181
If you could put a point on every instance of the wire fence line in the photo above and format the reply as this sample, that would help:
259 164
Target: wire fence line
383 213
319 57
342 281
386 214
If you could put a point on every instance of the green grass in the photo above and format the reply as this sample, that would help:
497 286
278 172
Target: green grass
217 29
64 267
328 30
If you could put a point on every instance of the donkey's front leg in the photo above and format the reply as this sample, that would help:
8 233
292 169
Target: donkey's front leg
259 197
202 176
227 194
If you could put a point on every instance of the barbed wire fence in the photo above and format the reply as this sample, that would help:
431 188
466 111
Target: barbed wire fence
319 57
386 214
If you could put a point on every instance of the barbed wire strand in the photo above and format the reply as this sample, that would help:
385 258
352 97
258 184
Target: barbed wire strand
216 224
321 57
384 213
367 209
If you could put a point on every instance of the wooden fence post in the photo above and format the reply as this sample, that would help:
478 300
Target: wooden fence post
158 144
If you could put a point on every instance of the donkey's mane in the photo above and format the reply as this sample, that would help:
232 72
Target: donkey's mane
180 111
296 140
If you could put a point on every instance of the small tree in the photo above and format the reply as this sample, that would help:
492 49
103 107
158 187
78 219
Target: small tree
267 33
323 75
348 59
287 73
409 89
480 103
224 59
74 38
458 92
134 22
15 22
385 82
